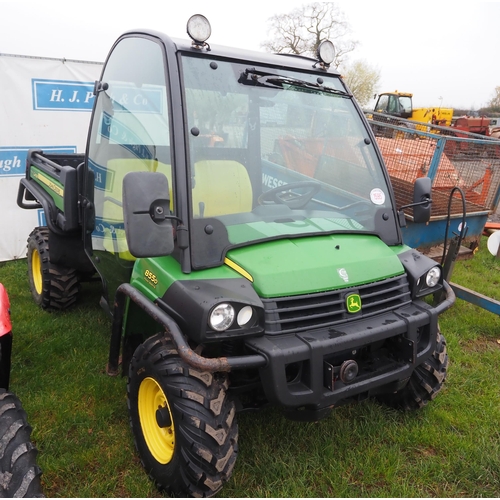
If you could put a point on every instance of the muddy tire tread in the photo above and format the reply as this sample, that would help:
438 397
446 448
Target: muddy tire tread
60 285
425 383
206 428
19 472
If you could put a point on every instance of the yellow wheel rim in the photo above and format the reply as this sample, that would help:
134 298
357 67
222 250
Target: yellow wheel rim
160 440
36 271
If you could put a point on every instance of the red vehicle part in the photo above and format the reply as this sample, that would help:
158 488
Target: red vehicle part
5 323
5 338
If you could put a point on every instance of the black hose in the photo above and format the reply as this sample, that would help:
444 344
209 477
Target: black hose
463 229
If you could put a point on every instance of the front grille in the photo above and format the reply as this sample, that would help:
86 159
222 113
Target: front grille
325 309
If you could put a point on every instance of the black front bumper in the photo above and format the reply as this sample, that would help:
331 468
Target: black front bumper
387 348
294 367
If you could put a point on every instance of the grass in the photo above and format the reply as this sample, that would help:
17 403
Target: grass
451 448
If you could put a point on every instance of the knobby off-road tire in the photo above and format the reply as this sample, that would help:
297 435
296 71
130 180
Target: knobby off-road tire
183 421
19 472
52 286
425 382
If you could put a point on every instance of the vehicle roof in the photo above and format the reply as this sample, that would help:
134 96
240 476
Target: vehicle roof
396 92
253 57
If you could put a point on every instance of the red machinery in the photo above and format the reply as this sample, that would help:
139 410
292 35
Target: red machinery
472 125
5 338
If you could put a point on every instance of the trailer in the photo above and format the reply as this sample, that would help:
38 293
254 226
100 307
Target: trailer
465 175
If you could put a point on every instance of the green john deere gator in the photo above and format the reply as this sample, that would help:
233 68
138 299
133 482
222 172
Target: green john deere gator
238 212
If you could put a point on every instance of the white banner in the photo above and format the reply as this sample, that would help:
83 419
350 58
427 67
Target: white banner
44 104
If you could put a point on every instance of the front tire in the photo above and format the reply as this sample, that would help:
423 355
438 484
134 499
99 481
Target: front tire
425 382
52 286
183 422
19 472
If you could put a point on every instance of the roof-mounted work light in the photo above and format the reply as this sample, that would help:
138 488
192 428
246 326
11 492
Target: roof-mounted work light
326 53
199 30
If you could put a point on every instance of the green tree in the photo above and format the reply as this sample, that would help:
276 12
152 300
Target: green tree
362 80
303 29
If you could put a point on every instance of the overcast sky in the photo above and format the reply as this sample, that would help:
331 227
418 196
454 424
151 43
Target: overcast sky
443 52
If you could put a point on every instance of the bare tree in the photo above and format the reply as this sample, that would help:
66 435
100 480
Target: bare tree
495 100
303 29
362 80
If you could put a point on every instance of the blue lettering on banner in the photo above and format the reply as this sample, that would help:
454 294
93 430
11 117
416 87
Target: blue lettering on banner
271 181
103 226
100 175
62 95
131 99
119 133
13 159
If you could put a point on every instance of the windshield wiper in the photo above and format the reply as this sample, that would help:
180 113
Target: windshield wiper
293 82
261 79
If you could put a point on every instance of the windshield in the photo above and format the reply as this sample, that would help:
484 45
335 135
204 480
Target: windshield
277 154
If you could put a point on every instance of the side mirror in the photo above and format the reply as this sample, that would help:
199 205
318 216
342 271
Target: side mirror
146 211
422 200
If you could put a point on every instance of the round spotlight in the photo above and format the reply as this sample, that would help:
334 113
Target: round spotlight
326 52
198 28
348 371
221 317
433 276
244 316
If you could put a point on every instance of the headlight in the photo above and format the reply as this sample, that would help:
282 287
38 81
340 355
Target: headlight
432 277
244 316
221 317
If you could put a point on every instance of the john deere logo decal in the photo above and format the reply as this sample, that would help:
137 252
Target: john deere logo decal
353 303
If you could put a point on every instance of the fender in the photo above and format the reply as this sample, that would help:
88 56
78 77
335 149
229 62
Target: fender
127 292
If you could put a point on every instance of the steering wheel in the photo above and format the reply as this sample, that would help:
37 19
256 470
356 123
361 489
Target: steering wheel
284 195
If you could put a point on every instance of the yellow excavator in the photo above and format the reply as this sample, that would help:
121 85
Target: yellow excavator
399 104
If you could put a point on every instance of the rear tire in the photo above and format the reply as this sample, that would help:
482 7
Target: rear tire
52 286
425 382
19 472
183 422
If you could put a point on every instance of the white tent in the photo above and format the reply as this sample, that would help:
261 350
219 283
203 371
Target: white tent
44 104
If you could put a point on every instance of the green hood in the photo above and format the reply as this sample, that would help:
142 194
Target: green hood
315 263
